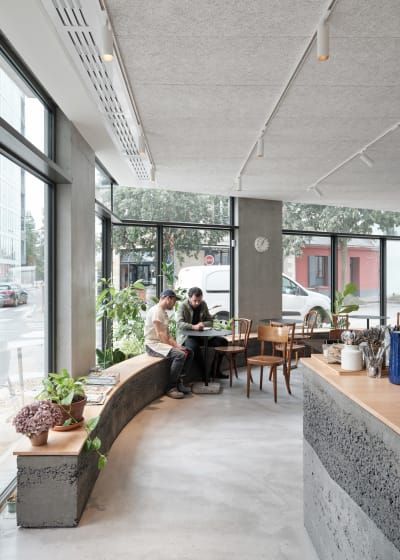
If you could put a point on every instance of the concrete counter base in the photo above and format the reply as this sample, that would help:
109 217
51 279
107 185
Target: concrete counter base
351 477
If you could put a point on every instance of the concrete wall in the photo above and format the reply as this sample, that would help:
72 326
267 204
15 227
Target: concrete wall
75 252
258 275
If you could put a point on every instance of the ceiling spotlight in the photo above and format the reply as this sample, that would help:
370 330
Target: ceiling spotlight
107 42
323 40
238 183
141 145
260 147
366 159
152 173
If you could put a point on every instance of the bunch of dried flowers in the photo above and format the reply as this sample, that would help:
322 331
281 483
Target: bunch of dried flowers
37 417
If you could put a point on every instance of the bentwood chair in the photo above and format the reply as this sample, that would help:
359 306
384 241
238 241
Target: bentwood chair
340 321
291 347
272 335
307 330
240 339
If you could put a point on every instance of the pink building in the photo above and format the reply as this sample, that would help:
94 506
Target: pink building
359 258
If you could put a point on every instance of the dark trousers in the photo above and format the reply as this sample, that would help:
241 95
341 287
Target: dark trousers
195 344
180 364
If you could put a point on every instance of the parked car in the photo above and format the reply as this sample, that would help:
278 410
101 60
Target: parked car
214 282
13 294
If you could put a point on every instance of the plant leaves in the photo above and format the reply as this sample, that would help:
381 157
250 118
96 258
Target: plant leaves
101 463
91 424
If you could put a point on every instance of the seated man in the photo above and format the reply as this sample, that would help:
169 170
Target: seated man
158 342
193 314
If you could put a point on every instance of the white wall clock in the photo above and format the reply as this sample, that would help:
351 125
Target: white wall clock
261 244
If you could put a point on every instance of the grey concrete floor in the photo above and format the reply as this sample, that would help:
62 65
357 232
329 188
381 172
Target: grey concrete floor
212 476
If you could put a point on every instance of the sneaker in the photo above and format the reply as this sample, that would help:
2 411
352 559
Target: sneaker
175 394
185 390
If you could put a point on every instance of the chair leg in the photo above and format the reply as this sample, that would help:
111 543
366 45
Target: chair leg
286 373
289 363
230 371
297 358
234 365
275 383
261 376
248 379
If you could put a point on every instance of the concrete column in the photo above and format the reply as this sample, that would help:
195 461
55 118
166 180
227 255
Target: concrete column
258 278
75 252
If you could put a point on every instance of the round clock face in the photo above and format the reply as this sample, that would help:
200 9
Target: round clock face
261 244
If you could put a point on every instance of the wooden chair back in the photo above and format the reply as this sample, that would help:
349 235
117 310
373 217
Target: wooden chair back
340 321
291 331
275 335
398 320
241 331
309 323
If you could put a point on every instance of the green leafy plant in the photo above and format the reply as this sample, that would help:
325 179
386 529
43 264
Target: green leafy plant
123 312
341 305
63 389
344 303
110 356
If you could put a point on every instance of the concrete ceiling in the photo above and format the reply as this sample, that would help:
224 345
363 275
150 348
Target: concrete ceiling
207 75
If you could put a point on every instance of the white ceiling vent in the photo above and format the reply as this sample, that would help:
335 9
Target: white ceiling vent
80 30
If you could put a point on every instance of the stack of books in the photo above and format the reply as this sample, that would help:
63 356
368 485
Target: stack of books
103 378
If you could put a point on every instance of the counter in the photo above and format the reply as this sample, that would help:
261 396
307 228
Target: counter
351 463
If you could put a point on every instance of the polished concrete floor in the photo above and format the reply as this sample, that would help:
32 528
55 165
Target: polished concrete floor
210 477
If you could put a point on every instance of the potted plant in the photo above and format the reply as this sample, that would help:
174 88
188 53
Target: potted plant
35 420
12 503
345 303
123 314
68 393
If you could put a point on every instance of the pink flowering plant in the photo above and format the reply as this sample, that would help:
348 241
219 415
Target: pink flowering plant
37 417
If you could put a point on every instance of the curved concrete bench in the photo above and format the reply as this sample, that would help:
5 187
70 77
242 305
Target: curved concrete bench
55 481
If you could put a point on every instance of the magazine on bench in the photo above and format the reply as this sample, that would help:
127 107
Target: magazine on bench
99 377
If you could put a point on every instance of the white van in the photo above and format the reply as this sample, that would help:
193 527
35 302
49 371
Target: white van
214 282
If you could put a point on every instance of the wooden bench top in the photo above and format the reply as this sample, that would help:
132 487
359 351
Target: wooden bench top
71 442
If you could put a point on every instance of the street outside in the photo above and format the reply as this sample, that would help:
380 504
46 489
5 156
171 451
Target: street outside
21 367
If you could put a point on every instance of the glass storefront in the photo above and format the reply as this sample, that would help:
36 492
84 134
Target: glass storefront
23 299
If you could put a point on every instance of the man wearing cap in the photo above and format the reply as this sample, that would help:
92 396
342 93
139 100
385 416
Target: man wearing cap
193 314
158 342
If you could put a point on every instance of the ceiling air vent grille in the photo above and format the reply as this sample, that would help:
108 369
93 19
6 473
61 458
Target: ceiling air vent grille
80 39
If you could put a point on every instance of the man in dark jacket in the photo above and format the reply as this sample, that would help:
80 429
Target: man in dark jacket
193 314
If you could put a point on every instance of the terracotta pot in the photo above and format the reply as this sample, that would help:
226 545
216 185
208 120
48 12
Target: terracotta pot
39 439
74 410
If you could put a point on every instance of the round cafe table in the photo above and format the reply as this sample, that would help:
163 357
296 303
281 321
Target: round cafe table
206 334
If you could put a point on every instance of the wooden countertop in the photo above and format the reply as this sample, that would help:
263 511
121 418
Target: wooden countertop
378 396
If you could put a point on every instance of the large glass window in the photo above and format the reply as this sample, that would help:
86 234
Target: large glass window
22 108
199 257
23 300
392 280
169 206
358 262
306 280
103 186
135 257
334 219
